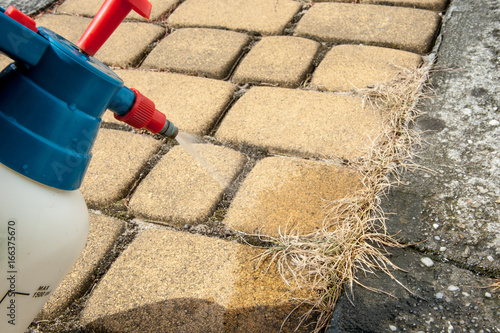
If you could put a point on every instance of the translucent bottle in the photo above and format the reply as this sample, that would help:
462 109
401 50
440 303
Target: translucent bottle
42 233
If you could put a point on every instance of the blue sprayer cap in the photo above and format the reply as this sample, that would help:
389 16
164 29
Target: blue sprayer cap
51 102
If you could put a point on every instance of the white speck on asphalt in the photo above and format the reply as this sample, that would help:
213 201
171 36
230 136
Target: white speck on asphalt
427 262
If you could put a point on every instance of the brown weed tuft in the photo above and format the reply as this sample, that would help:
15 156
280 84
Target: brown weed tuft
354 239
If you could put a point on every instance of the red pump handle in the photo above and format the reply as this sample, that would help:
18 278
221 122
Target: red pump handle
109 17
22 18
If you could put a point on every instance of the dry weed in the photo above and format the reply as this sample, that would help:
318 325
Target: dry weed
354 238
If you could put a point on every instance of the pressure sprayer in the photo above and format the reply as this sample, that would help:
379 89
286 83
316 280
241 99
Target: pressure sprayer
51 102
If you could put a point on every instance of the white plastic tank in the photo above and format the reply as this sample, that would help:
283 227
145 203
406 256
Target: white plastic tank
42 233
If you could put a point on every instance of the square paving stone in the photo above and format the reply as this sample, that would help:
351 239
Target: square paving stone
169 281
304 123
281 60
124 48
207 52
267 17
4 61
347 67
437 5
180 190
118 158
193 104
403 28
103 233
91 7
288 195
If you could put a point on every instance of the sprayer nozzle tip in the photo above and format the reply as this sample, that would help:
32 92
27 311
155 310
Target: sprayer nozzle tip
174 134
169 130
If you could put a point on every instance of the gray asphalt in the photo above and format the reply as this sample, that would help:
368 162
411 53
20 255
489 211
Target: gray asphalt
26 6
448 211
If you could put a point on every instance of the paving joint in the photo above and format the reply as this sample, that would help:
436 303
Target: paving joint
290 28
124 240
164 17
151 163
324 48
147 51
120 206
253 40
240 91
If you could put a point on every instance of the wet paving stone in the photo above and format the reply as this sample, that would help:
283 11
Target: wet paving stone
190 283
284 195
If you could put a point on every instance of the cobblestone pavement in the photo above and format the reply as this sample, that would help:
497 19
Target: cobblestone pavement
266 83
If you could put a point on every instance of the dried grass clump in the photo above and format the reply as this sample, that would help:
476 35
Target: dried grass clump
354 238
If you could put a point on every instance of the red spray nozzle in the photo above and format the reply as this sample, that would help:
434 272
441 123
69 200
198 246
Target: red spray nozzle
143 114
107 20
